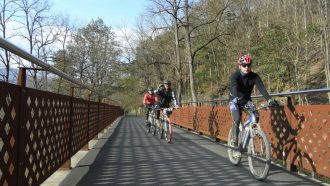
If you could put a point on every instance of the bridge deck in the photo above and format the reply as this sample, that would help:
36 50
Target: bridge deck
128 155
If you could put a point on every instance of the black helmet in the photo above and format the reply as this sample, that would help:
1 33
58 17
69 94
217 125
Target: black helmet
168 82
150 89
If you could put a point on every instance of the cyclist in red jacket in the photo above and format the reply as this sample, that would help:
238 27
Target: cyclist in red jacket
149 99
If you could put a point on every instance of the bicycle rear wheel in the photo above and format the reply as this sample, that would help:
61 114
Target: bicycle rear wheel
149 124
166 131
234 155
153 125
259 154
161 129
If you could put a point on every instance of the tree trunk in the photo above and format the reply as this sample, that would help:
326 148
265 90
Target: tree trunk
177 51
190 55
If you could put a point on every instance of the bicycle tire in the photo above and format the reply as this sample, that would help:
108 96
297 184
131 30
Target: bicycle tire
149 124
166 132
152 125
259 154
161 130
170 133
235 160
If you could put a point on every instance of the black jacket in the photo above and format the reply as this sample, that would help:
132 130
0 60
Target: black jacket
165 98
241 86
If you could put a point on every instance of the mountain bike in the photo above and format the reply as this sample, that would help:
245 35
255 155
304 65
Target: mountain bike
151 127
252 136
165 129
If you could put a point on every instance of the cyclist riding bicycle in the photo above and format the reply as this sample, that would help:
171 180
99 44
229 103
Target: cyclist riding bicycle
149 99
165 97
241 84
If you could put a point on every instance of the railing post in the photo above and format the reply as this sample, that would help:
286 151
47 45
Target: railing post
20 128
21 79
67 164
86 147
98 116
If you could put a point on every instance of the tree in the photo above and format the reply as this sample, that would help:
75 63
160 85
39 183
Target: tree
37 29
94 55
7 13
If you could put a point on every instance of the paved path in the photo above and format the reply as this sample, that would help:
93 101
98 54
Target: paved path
128 155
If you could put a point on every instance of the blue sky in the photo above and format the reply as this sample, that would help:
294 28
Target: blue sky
115 13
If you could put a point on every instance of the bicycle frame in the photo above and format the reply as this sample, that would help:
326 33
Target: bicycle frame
152 120
166 124
246 127
250 136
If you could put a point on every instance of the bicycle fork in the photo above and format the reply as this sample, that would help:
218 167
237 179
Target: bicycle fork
245 136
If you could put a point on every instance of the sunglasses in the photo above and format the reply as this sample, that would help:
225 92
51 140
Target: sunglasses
246 65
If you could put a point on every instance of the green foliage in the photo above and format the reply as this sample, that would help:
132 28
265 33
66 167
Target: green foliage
129 95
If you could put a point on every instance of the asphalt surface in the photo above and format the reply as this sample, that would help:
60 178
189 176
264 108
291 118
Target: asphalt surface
128 155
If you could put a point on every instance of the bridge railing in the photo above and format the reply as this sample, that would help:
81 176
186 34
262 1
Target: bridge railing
40 131
299 134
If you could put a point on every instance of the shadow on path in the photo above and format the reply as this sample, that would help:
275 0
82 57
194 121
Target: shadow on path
128 155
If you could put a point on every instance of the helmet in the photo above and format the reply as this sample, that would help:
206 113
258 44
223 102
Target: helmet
167 82
245 59
150 89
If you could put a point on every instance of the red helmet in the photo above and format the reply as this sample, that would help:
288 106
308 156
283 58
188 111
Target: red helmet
245 59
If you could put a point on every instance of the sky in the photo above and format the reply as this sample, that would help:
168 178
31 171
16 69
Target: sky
115 13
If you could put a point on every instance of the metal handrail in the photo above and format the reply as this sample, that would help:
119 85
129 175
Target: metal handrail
27 56
313 91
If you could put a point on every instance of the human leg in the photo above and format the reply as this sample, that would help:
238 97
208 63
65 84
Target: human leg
236 115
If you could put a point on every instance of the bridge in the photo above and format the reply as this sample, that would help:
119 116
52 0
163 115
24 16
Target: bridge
126 154
41 132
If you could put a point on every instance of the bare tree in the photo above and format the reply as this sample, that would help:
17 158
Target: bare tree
7 13
323 7
35 20
192 26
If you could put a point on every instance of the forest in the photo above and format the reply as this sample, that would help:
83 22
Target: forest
193 43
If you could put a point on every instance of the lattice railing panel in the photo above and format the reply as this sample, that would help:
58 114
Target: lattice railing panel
298 135
93 119
80 124
35 129
44 135
9 117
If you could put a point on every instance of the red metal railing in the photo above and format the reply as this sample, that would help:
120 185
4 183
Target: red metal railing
299 135
40 131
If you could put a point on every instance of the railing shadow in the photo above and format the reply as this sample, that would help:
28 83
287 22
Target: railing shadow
287 148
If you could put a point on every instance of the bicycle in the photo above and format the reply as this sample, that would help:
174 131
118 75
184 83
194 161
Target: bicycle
165 129
151 127
252 136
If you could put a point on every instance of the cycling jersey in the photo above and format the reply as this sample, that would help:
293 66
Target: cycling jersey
241 86
149 99
165 98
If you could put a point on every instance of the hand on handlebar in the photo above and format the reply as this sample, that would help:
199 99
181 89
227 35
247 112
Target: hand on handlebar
273 103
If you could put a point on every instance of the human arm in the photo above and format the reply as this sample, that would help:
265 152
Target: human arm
261 87
175 101
145 99
263 91
233 86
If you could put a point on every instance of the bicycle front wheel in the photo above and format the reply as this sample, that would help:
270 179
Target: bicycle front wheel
234 155
161 129
166 131
259 154
153 126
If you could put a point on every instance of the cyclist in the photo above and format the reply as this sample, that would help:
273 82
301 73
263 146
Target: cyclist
165 97
241 84
149 99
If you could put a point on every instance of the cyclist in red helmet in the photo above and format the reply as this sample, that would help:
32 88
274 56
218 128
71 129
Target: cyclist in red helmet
149 99
241 84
